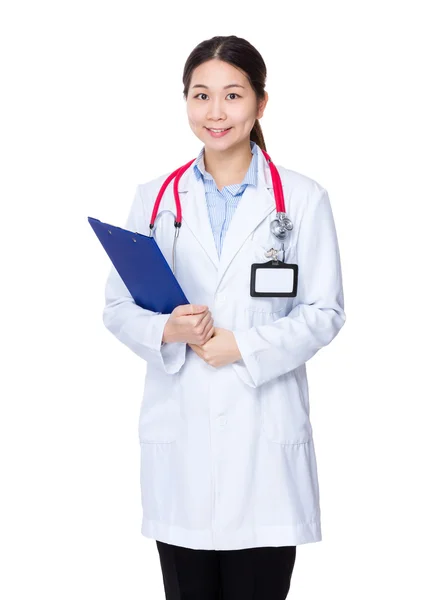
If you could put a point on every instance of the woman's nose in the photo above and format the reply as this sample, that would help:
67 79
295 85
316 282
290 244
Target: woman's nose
216 111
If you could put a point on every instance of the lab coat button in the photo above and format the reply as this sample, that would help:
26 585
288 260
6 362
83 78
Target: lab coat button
222 420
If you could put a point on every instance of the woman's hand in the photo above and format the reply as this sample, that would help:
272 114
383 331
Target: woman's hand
220 350
189 323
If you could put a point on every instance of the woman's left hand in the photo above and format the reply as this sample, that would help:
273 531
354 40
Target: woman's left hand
220 350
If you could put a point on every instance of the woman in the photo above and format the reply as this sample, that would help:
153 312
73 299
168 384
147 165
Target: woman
228 470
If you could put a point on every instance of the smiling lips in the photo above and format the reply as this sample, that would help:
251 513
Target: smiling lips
217 132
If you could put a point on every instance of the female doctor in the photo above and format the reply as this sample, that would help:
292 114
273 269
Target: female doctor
228 477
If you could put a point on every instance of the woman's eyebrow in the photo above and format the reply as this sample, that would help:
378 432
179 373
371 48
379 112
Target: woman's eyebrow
200 85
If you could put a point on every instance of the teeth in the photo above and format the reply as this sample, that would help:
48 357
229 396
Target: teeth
217 130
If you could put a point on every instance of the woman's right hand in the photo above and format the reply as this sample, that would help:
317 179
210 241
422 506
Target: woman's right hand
189 323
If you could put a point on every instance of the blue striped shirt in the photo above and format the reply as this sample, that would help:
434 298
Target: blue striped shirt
222 204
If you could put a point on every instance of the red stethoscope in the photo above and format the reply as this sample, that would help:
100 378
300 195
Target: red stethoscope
280 226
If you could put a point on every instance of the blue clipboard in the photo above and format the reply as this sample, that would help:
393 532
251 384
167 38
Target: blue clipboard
141 266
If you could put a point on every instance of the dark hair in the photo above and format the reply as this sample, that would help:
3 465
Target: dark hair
239 53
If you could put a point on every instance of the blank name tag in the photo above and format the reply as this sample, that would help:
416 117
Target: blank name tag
273 279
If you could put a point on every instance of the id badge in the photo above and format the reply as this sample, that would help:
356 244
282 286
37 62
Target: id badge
274 279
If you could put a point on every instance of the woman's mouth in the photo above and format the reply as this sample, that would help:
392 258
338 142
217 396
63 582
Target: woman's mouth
218 132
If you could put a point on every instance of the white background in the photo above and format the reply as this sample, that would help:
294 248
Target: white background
92 105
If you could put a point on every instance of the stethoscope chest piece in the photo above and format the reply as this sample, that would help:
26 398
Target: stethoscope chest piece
281 226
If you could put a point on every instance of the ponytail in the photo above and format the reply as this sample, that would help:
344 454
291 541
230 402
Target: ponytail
257 136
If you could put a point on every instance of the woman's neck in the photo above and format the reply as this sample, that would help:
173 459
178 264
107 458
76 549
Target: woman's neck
230 166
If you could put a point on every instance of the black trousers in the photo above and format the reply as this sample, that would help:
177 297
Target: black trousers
249 574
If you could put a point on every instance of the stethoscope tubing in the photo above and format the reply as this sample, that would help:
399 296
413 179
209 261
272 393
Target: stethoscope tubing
177 174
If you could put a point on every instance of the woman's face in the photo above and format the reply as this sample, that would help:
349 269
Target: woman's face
220 97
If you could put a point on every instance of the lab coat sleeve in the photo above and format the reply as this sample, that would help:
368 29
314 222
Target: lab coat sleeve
139 329
269 351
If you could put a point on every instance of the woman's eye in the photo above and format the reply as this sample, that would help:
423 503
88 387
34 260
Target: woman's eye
231 94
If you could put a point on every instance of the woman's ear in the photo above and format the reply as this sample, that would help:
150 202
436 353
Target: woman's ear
262 105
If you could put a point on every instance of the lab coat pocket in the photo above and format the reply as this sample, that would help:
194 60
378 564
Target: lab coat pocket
160 415
285 419
263 311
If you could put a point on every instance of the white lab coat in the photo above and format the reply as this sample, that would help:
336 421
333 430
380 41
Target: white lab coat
227 454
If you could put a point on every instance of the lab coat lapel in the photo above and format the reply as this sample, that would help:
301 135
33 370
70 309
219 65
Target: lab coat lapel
195 214
253 207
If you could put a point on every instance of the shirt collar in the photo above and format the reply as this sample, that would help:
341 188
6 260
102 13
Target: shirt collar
251 177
